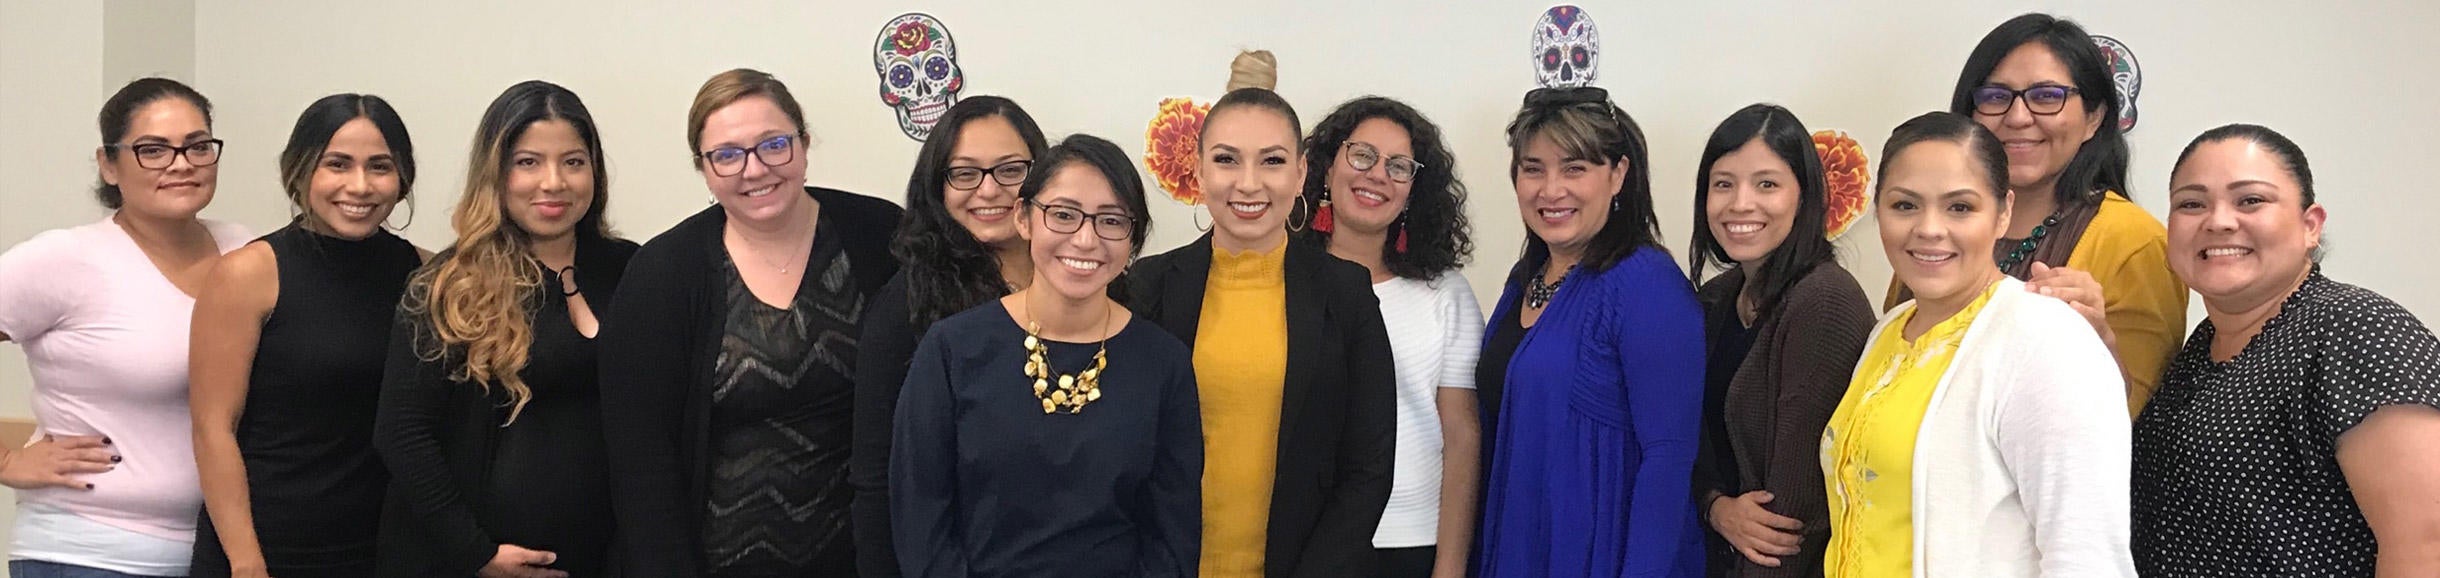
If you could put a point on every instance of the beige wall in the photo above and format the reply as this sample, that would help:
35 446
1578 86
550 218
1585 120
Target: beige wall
2326 74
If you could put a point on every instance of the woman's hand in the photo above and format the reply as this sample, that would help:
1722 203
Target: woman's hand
512 561
57 462
2080 291
1756 532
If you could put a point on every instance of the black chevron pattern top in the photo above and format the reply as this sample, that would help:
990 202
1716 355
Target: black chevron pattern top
780 426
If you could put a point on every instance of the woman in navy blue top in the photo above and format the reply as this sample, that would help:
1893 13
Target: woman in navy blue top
1593 372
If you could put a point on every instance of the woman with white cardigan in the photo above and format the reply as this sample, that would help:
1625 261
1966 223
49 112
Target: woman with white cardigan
1977 437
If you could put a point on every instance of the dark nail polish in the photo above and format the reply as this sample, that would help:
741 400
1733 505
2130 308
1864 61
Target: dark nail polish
115 459
88 486
105 441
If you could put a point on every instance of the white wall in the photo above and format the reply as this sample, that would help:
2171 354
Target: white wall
1101 67
2343 79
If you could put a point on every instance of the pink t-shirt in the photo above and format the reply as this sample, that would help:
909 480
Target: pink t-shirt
105 334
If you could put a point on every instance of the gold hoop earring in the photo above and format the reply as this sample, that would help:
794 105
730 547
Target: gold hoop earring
1296 225
385 222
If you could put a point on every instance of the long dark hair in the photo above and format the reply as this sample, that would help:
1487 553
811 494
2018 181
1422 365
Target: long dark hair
947 269
1114 165
1808 241
1439 239
1585 124
2101 163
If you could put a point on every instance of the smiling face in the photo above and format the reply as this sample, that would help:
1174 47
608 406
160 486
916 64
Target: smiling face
550 180
1079 265
988 211
1565 200
1369 200
1938 220
1751 202
2039 146
1251 174
758 192
2240 232
355 182
182 189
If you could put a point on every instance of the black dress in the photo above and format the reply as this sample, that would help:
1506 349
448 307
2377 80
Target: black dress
306 434
2236 463
782 398
464 482
986 484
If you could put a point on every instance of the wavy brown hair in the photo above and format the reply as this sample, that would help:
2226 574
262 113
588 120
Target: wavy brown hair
476 301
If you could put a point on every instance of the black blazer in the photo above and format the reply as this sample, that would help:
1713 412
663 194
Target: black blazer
1338 420
657 349
437 436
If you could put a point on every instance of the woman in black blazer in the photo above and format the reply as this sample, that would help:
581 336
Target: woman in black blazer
726 367
1293 363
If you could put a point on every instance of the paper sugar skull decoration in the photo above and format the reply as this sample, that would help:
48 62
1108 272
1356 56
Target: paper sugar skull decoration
1846 185
2124 72
920 79
1566 48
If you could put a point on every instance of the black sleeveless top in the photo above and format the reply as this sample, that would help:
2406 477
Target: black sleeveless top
306 432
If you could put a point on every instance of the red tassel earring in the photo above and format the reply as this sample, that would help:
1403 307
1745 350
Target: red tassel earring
1321 216
1401 232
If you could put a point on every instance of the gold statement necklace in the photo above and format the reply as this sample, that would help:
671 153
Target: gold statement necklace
1062 391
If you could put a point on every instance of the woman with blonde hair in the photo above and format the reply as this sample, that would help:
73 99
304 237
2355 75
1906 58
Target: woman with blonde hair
490 416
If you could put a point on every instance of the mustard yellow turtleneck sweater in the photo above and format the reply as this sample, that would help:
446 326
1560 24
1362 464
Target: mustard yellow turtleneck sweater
1241 364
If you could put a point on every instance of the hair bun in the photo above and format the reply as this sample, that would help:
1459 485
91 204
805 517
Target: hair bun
1253 69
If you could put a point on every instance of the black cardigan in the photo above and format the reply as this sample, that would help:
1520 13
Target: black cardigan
1338 417
437 436
657 351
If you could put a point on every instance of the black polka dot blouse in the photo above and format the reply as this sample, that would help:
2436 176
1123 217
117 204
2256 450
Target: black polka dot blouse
2236 463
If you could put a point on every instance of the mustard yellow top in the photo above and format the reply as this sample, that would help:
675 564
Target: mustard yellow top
1241 364
1868 449
2127 251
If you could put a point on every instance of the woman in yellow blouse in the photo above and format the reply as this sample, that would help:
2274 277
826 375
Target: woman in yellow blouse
1290 355
1990 399
2041 86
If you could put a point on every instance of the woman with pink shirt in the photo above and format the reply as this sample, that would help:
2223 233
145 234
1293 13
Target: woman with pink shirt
108 486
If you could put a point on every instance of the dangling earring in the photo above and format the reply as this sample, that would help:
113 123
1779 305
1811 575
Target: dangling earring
1322 217
1198 217
1401 224
1295 225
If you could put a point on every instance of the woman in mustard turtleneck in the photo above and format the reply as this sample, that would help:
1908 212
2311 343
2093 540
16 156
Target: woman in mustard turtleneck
1291 359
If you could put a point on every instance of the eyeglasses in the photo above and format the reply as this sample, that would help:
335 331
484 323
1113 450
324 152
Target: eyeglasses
1067 220
158 156
1007 174
1362 157
2043 100
730 161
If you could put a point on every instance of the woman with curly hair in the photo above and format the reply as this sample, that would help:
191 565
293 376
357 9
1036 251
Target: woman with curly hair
1390 201
957 248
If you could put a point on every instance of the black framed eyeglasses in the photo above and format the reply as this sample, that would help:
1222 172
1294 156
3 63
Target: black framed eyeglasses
2043 100
1007 174
1068 220
156 156
731 161
1362 157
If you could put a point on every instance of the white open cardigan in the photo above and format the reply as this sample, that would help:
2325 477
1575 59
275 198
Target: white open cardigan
2023 460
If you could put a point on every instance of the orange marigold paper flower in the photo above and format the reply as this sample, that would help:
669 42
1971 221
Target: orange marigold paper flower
1169 148
1845 178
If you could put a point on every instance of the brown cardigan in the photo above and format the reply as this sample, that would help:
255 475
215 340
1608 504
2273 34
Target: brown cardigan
1779 401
